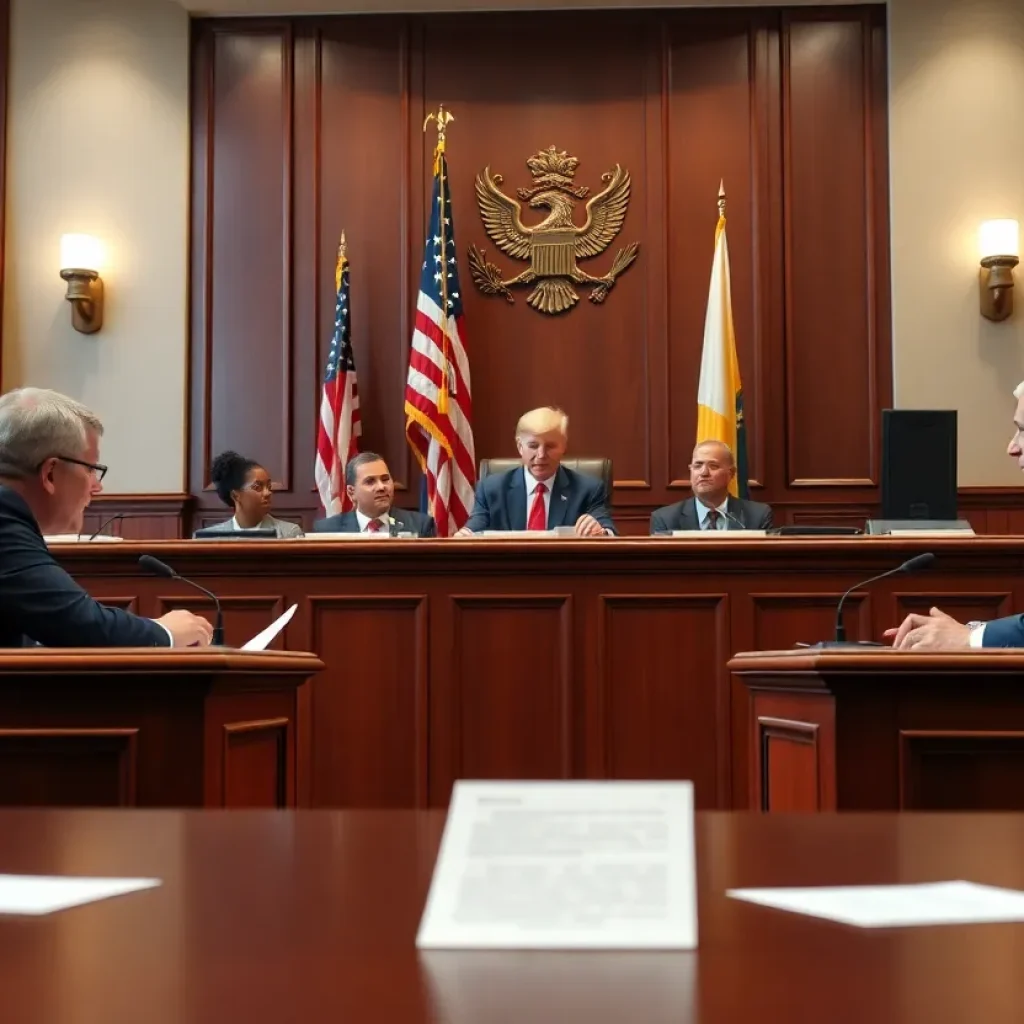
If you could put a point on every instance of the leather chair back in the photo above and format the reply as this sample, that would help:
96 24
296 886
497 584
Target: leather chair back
599 468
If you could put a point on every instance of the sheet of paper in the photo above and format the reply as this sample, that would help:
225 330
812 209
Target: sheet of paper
516 534
44 894
895 906
564 865
84 538
261 641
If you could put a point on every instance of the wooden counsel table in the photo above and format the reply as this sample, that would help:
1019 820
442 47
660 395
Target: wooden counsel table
267 917
542 659
149 727
876 729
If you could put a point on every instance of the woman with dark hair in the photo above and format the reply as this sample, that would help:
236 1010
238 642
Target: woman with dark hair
244 485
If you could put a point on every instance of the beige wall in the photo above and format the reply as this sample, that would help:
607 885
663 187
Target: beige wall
97 142
83 70
957 158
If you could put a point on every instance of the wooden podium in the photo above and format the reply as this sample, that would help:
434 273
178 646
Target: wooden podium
877 729
149 727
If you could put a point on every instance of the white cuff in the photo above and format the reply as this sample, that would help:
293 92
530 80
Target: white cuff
977 634
170 635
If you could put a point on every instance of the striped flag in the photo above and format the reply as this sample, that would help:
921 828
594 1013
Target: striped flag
340 424
438 398
720 391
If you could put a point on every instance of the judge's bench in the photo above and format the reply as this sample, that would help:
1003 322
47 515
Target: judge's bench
554 658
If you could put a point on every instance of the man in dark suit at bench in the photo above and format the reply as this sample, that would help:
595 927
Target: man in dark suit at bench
541 494
712 471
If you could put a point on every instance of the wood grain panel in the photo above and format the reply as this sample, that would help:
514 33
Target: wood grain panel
650 707
961 771
68 767
304 127
369 721
721 72
508 698
255 769
790 772
592 359
785 619
137 516
244 617
244 343
836 331
966 607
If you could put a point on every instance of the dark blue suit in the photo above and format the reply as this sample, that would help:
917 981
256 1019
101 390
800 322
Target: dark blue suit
501 501
1005 632
40 601
405 522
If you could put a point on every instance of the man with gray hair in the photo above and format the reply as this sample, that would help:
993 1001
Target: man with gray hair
49 472
938 631
542 494
712 471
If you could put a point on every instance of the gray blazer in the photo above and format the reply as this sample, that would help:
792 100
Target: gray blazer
283 528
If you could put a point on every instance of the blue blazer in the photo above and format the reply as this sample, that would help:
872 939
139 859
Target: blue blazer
40 602
1005 632
501 501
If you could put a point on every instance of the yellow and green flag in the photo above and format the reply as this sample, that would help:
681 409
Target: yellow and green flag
720 391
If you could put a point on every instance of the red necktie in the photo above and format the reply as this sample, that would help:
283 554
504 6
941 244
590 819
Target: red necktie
373 526
538 517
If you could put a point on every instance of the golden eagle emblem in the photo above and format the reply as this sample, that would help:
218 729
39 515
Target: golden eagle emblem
555 244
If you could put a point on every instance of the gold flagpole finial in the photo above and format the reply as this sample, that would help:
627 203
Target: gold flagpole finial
721 198
443 118
342 260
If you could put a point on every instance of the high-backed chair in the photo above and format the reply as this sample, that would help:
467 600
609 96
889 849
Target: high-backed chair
599 468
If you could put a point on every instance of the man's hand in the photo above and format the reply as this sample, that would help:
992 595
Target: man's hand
935 631
188 630
588 526
463 533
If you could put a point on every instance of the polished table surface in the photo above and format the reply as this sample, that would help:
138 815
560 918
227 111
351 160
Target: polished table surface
311 916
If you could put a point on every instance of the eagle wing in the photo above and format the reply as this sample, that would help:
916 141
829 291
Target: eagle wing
605 213
500 215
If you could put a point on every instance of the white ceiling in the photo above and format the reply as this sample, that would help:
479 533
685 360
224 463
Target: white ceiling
269 7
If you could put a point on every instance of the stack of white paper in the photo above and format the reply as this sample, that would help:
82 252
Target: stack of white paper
43 894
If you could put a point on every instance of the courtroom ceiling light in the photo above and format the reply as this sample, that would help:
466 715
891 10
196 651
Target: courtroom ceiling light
80 259
999 245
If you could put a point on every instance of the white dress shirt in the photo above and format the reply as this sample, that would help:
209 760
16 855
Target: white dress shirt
702 515
531 486
977 634
385 523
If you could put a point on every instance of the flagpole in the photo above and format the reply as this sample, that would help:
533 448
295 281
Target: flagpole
442 117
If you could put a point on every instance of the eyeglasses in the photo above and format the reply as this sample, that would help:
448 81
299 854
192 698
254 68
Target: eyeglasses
99 470
259 487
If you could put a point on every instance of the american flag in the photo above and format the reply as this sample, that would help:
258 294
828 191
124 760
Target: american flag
339 405
438 398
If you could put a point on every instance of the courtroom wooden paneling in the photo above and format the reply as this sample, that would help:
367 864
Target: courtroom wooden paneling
878 730
664 714
138 516
304 127
369 718
68 767
150 727
580 659
245 615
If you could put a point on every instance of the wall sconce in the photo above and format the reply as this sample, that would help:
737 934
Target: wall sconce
999 243
80 257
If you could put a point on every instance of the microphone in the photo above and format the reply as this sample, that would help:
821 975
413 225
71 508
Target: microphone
736 519
158 568
104 525
923 561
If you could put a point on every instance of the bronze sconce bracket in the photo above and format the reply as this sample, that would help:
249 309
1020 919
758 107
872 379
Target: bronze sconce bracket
85 293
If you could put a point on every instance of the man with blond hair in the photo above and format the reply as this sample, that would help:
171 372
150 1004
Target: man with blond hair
938 631
541 494
49 472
